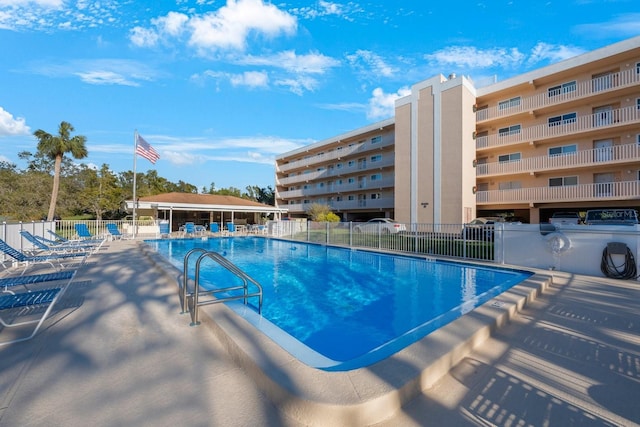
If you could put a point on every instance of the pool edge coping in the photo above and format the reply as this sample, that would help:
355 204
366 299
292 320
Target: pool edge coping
365 395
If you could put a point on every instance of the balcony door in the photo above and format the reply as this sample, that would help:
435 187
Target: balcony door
603 184
602 116
603 150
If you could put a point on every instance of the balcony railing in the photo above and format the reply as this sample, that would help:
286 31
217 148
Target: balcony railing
346 205
386 161
597 156
624 190
601 120
345 152
337 189
610 82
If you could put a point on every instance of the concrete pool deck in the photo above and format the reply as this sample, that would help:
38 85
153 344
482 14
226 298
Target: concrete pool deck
117 352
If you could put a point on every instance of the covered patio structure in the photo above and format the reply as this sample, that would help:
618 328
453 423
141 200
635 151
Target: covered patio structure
203 209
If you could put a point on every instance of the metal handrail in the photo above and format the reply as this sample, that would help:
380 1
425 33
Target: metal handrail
185 279
231 268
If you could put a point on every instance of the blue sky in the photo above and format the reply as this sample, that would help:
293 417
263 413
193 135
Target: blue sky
219 88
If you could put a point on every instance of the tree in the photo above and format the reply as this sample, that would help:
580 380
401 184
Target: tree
55 147
321 213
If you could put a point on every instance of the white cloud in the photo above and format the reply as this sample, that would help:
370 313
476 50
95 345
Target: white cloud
250 79
228 28
371 64
299 85
471 57
12 126
312 63
382 105
553 53
105 78
42 3
327 8
144 37
101 71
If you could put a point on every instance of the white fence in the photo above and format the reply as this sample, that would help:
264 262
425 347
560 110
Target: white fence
571 248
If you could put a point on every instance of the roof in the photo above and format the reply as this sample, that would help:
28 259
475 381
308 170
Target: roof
202 202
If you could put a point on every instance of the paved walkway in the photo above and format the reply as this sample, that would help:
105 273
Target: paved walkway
117 352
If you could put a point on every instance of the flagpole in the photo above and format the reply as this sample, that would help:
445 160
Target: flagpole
135 142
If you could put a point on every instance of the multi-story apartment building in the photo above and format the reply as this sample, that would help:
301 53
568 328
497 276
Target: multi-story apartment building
565 137
353 173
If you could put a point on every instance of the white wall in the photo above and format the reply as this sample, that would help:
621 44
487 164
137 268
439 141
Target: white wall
524 245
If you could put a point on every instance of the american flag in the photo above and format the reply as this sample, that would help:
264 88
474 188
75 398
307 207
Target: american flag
144 149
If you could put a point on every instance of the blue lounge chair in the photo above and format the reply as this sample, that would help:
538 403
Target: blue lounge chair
231 228
42 246
10 282
34 299
28 260
214 228
84 233
189 228
115 233
61 240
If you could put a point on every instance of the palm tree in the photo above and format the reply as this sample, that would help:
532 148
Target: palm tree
54 147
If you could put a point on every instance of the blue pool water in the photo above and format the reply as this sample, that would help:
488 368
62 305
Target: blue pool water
339 309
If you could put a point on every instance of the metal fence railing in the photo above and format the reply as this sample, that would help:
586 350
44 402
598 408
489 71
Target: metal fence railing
448 240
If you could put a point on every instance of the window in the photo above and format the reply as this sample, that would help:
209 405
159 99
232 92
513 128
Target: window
320 169
376 158
306 201
563 119
339 182
511 130
509 185
352 197
351 180
375 196
563 181
638 139
376 177
351 163
637 67
565 149
320 185
338 198
305 187
513 102
376 139
638 103
513 157
338 165
563 88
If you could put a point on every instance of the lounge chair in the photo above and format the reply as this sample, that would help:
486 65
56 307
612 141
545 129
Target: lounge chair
115 233
10 282
200 230
28 304
84 233
214 228
231 228
40 245
52 259
189 228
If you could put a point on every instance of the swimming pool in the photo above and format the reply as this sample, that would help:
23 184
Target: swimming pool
339 309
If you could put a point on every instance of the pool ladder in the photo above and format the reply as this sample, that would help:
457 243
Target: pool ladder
187 297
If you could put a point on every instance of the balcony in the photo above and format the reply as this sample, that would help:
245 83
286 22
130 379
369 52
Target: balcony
588 123
337 189
348 205
618 154
623 190
355 149
604 84
386 161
